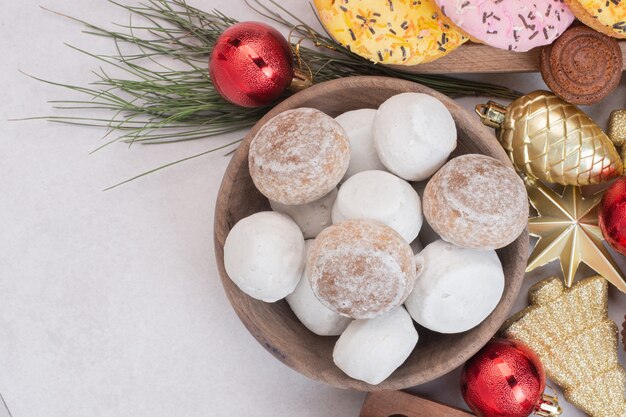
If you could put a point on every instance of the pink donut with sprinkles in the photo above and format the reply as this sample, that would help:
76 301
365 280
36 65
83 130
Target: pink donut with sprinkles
514 25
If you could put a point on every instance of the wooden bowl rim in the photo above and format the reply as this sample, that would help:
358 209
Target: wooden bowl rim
488 328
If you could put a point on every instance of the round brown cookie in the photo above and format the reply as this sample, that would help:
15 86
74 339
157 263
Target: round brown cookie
299 156
475 201
361 268
583 66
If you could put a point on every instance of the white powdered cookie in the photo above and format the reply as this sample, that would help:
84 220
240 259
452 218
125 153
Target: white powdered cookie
359 126
264 255
456 288
370 350
414 135
379 195
475 201
312 217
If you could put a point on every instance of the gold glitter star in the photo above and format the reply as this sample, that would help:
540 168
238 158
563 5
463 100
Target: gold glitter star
617 127
567 227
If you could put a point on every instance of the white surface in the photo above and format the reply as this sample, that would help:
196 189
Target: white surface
110 303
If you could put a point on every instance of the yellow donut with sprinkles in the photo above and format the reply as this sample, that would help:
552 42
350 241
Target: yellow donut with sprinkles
605 16
401 32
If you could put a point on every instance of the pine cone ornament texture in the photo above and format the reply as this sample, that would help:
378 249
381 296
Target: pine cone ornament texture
552 140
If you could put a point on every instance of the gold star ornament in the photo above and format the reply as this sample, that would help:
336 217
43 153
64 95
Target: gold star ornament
567 228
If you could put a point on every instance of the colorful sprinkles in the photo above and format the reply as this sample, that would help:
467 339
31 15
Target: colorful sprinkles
402 32
514 25
610 13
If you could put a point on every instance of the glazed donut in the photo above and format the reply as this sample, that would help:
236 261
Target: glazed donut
390 31
605 16
514 25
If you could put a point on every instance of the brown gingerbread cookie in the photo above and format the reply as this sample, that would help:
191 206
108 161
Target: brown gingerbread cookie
583 66
299 156
361 268
605 16
475 201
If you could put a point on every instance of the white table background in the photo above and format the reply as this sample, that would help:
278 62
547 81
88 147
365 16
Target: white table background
110 302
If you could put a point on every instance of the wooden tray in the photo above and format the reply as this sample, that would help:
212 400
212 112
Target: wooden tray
473 58
401 404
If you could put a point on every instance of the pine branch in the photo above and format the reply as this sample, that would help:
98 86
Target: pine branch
165 94
152 98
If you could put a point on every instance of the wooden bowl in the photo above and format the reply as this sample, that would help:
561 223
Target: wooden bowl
277 328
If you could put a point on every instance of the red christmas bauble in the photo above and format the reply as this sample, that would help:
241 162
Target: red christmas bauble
612 215
504 379
251 64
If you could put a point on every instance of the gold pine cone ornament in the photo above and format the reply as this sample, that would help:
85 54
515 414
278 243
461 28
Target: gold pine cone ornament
552 140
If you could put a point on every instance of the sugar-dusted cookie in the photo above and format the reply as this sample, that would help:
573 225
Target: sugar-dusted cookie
414 135
359 126
361 268
298 156
311 312
264 254
476 201
370 350
456 289
312 217
380 195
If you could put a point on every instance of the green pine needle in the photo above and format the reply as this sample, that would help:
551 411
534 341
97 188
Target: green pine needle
165 94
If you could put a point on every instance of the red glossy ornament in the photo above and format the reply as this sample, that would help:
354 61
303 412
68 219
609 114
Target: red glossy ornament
251 64
504 379
612 215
